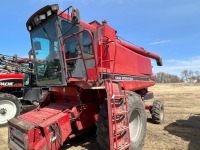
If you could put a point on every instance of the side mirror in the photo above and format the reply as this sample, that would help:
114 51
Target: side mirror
75 16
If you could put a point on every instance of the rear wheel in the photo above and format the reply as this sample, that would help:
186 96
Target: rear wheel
157 112
9 107
137 123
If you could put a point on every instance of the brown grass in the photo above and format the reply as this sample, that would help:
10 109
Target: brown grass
180 131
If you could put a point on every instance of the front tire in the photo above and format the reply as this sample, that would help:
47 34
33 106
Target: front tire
9 107
137 125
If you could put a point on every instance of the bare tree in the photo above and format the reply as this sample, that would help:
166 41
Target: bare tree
162 77
190 76
185 74
197 74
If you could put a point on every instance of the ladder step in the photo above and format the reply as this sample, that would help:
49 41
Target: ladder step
98 87
124 146
107 60
118 96
121 112
122 129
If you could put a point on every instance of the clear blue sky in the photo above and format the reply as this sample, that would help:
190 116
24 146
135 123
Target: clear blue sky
169 28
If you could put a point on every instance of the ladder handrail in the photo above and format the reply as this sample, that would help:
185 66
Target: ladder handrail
114 60
82 57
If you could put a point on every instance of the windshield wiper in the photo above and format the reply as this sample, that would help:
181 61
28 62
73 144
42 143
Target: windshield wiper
66 31
47 35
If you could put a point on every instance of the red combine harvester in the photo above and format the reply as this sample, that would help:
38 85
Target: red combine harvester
93 78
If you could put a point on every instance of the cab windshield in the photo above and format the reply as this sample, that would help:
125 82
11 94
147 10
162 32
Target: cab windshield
47 61
47 54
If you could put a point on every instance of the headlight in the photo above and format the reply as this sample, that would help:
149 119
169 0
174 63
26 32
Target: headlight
49 13
36 19
42 17
29 27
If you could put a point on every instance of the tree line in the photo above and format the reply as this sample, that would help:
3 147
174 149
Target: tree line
187 76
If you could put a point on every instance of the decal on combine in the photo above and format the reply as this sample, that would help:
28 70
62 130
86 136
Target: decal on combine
125 77
11 82
6 83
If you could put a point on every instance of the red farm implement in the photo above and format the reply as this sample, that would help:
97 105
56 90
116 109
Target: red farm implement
94 78
16 82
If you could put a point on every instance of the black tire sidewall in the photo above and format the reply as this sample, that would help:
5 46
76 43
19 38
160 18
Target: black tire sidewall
102 128
156 110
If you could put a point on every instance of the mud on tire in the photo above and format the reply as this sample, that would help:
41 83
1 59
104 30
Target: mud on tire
137 120
9 107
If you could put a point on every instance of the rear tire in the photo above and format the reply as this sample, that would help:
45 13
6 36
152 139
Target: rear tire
157 112
137 125
10 107
102 128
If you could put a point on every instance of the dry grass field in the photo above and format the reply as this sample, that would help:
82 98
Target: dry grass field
180 131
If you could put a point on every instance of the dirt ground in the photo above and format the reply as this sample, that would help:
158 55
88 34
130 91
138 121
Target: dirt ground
180 131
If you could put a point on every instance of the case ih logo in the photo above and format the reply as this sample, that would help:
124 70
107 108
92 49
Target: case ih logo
6 83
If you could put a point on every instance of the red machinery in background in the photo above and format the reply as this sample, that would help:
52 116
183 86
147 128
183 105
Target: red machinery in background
93 78
16 81
11 82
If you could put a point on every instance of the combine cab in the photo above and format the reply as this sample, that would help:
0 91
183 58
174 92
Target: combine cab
94 78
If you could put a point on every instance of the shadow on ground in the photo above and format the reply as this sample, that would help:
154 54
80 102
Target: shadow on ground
150 120
188 130
86 141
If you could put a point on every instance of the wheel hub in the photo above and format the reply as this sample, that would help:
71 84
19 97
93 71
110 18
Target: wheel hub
8 110
3 111
135 125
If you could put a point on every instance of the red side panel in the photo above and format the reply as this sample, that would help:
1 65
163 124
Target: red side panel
136 85
129 62
144 65
132 68
126 61
120 59
40 115
11 80
11 76
92 74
